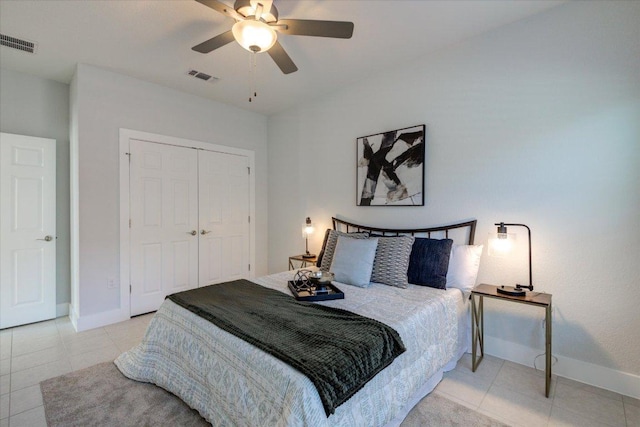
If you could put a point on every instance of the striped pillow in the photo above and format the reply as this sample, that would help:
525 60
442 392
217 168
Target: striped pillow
392 261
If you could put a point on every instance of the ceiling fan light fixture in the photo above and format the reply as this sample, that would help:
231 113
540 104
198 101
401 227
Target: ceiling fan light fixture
249 8
256 23
255 36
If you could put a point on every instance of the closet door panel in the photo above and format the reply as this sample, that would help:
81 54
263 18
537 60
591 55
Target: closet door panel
164 222
224 217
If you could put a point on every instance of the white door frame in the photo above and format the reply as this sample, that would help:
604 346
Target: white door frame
125 258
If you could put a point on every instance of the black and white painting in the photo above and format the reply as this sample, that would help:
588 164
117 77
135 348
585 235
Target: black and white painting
391 168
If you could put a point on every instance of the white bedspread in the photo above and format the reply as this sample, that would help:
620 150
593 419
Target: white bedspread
231 382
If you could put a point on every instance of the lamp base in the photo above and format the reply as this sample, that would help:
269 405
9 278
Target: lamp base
307 255
510 290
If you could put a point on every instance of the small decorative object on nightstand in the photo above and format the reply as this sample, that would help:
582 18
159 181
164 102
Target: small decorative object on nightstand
477 322
303 260
306 230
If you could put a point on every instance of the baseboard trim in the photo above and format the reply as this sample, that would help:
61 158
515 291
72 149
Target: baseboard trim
84 323
73 316
585 372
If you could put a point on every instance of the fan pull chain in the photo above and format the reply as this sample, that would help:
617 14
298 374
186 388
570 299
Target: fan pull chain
250 75
253 75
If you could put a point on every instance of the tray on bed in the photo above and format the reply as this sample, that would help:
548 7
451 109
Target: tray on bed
304 293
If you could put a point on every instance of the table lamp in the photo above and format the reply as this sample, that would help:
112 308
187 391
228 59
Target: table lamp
306 230
499 245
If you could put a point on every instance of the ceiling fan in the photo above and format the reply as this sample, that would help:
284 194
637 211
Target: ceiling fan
256 25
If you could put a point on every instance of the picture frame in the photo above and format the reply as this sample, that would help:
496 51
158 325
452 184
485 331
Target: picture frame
390 168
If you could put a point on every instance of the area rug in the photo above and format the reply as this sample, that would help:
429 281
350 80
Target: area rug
101 396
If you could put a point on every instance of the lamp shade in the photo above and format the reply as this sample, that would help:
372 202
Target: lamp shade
255 36
307 228
500 244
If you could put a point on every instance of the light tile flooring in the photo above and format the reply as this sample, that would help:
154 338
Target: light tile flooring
514 394
511 393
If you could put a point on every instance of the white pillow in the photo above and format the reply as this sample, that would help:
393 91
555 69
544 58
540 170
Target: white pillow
353 260
463 267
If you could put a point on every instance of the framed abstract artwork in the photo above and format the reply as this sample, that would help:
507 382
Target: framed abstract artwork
390 170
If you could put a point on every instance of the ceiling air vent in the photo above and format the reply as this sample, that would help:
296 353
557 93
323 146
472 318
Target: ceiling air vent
16 43
202 76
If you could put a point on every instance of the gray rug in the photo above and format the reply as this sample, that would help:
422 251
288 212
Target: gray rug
102 396
437 411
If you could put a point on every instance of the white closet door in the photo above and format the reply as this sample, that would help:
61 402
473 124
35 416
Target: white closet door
224 217
27 229
164 223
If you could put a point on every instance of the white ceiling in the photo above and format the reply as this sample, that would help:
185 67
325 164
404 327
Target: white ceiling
152 40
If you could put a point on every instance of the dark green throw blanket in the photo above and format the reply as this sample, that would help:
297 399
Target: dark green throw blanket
337 350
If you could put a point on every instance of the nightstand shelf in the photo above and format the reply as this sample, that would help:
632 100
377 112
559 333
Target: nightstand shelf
539 299
304 262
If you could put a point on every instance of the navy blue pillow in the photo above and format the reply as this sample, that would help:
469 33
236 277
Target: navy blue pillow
429 262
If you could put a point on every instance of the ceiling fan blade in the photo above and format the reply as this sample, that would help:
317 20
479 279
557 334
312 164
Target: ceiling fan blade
305 27
214 43
222 8
282 59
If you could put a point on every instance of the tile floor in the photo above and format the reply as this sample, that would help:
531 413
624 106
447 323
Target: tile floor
511 393
514 394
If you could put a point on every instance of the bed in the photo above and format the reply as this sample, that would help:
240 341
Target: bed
231 382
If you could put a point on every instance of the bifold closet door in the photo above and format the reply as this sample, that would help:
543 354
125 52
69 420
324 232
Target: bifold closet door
224 217
28 229
164 222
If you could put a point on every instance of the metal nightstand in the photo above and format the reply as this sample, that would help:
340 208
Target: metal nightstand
539 299
304 262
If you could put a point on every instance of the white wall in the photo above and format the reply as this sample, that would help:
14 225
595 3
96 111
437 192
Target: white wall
35 106
103 102
537 122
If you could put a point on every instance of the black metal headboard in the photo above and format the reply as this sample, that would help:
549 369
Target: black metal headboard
468 230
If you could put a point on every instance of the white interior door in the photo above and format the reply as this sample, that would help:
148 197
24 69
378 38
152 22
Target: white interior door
224 217
27 229
164 222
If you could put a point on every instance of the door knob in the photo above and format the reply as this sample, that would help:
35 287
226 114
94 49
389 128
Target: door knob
203 231
46 238
192 232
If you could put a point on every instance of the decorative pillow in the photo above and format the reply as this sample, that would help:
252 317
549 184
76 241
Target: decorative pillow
330 247
392 261
463 267
324 245
429 262
353 260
